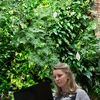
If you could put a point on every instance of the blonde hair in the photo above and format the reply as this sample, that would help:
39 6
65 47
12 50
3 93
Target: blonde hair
72 85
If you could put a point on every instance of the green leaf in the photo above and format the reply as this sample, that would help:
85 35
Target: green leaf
88 74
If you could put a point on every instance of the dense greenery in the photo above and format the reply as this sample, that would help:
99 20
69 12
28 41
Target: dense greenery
74 36
34 35
27 51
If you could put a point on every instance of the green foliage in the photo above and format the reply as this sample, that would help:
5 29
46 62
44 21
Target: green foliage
73 33
35 34
26 50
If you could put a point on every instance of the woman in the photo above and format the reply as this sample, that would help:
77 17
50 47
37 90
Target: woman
65 84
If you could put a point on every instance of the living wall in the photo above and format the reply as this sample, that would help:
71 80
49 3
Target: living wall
26 50
35 35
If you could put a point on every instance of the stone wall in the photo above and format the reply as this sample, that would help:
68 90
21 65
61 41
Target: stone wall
97 9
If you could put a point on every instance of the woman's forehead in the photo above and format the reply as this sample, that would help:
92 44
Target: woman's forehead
58 71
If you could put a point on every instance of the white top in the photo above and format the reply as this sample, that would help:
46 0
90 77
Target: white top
79 95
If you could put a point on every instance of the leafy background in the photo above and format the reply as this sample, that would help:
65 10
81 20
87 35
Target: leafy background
35 35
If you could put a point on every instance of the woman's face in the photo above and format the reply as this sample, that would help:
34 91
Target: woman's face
60 77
